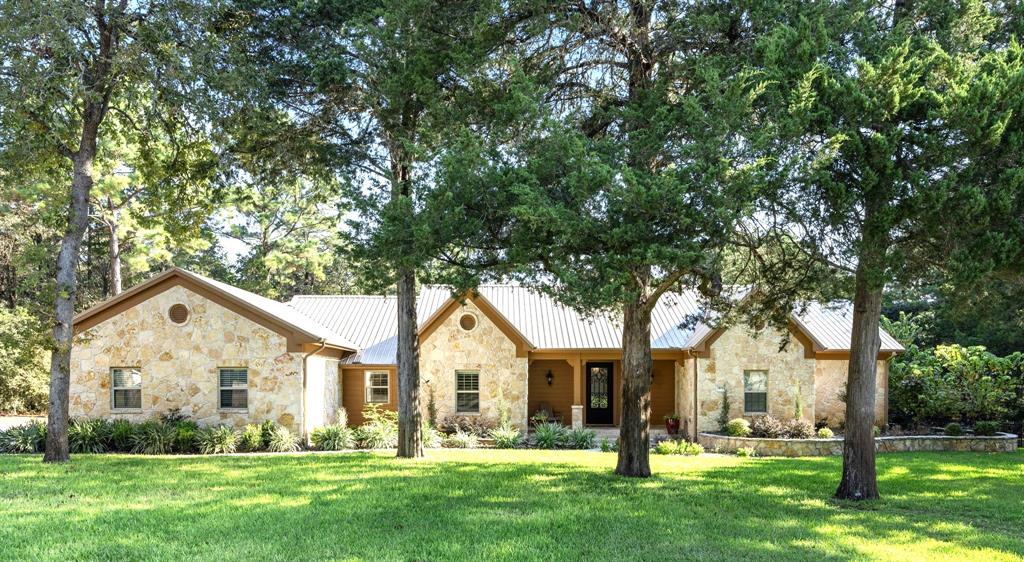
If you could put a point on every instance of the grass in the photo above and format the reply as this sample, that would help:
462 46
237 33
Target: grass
517 505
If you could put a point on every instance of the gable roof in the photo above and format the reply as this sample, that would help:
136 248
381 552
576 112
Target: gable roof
274 315
371 321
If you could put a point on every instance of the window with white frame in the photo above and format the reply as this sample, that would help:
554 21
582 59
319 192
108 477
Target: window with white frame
377 390
126 388
467 392
234 388
755 392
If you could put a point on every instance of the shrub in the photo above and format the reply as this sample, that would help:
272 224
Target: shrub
251 439
798 429
746 452
667 447
723 415
432 438
506 438
581 438
185 439
876 431
986 428
549 435
215 440
609 446
333 437
767 426
173 416
380 431
88 436
282 440
738 427
953 430
689 449
153 438
461 440
825 433
27 438
267 429
476 425
121 432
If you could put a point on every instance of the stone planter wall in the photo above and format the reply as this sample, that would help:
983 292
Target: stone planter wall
1000 443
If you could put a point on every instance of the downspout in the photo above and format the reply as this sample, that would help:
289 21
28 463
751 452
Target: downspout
696 431
302 403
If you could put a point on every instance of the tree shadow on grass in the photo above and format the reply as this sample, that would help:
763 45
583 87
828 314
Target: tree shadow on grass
374 507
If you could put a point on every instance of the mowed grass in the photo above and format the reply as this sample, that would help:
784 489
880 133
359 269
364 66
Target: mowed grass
514 505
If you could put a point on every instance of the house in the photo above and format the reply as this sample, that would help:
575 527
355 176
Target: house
224 355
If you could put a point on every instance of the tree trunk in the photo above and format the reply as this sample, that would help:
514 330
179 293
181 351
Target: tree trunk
67 288
115 249
410 437
859 478
634 427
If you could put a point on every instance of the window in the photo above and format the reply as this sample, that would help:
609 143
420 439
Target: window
467 322
755 392
467 392
126 388
377 387
234 388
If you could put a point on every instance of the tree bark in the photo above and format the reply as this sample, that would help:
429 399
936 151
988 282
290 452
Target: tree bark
114 247
410 435
859 477
67 288
634 427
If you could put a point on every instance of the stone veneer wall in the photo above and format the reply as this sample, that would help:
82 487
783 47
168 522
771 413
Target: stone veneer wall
1002 443
830 380
179 363
485 349
738 350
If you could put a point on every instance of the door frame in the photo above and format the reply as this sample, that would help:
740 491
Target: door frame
610 365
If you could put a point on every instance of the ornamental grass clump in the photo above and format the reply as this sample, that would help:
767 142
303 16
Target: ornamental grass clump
738 427
153 438
549 435
121 432
580 438
333 437
506 438
27 438
461 440
216 440
88 436
282 440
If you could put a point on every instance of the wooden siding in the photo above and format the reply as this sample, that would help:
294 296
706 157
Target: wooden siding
558 395
353 393
663 392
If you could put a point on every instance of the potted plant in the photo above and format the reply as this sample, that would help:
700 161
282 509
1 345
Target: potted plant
672 424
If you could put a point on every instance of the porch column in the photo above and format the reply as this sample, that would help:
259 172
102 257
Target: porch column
577 392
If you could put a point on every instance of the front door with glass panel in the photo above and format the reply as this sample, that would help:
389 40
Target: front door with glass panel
599 393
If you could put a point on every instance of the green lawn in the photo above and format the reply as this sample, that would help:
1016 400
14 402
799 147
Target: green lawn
485 504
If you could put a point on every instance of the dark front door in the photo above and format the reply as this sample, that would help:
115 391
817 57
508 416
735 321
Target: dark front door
599 393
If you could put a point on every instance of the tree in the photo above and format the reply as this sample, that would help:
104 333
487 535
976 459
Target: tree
635 182
72 73
886 102
369 88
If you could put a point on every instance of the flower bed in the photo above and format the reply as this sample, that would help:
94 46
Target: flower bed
999 443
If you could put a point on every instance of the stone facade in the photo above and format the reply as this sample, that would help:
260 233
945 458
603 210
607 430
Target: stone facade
486 350
829 384
179 363
738 350
1002 443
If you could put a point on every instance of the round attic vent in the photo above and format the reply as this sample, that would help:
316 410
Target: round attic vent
467 321
178 314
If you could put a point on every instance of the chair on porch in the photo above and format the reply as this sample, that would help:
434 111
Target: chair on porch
550 414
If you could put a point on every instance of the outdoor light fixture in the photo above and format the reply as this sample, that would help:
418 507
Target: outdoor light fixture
550 376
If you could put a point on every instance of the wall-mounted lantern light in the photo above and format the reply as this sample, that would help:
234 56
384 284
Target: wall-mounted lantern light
550 376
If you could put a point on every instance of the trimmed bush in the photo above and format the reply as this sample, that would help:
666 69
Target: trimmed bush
251 439
767 426
282 440
986 428
746 452
461 440
187 433
506 438
798 429
581 438
953 430
88 436
332 438
153 438
549 435
216 440
27 438
121 432
825 433
738 427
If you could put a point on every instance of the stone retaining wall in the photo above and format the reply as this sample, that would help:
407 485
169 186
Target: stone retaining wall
1000 443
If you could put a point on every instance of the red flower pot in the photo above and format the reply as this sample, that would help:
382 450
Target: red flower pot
672 426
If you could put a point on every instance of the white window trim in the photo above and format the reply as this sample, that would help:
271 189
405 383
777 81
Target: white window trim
220 405
113 388
367 387
745 372
458 392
